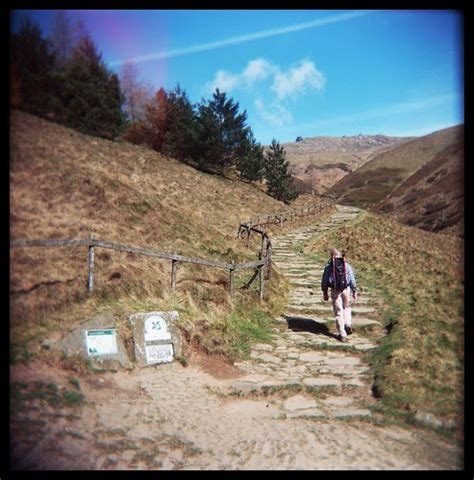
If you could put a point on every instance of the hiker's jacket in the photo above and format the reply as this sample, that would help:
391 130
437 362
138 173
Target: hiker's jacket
350 277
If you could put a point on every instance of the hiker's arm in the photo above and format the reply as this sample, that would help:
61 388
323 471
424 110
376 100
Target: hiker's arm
324 283
352 281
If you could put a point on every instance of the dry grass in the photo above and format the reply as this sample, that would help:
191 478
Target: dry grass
419 365
433 197
66 185
374 180
323 161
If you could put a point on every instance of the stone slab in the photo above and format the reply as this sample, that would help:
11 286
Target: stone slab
74 343
299 402
307 413
321 382
156 337
312 357
348 413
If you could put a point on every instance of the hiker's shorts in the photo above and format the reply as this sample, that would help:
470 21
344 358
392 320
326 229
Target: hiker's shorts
341 300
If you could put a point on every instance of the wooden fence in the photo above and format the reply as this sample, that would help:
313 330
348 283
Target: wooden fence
245 230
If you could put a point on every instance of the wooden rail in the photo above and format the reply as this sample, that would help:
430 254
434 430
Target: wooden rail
245 230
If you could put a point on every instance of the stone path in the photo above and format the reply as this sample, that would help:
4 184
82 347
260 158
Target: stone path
306 355
300 402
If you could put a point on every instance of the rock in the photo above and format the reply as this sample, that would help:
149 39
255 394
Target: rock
430 420
342 361
244 387
352 413
156 337
312 357
263 347
74 343
307 413
298 402
321 382
47 344
268 358
337 401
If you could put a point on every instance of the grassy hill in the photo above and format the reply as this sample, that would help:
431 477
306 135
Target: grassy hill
419 365
65 185
433 197
377 178
320 162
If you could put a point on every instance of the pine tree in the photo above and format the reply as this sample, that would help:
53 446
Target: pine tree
251 164
276 173
180 138
221 133
32 62
90 94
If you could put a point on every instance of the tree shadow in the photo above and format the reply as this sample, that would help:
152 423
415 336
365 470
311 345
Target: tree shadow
302 324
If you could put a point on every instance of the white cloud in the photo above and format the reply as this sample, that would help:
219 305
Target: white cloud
297 80
225 81
276 115
255 71
262 79
258 69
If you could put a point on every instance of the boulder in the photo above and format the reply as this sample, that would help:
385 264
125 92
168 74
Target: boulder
156 337
95 340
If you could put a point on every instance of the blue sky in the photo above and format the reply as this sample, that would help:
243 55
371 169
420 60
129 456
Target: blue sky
296 72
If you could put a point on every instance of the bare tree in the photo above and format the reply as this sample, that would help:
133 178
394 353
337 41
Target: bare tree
136 92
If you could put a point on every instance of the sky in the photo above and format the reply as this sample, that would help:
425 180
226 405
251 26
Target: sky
296 73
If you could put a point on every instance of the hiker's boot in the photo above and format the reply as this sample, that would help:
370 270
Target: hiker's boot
343 339
348 330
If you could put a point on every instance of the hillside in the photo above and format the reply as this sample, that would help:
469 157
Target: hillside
66 185
374 180
320 162
433 197
419 365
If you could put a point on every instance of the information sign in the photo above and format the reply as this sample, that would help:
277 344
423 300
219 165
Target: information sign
101 342
159 353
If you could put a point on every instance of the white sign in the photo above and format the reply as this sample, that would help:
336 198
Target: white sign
156 328
159 353
101 342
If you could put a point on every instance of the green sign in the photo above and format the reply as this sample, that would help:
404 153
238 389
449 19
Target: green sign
101 342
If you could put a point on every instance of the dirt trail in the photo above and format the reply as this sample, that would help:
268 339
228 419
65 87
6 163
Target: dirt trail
301 402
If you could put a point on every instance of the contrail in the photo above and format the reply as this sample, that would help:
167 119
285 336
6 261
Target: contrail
243 38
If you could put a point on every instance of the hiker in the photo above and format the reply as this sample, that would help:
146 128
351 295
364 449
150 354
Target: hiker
339 277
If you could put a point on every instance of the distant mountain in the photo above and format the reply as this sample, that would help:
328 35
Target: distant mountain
433 197
380 176
318 163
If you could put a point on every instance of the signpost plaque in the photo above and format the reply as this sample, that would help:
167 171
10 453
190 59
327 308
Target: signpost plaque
159 353
156 337
156 328
101 341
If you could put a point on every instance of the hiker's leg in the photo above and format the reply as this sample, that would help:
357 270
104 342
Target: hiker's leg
338 311
346 304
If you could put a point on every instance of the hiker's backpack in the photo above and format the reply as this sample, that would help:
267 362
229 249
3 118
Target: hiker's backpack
337 276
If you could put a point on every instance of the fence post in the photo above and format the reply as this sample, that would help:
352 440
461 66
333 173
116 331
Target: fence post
232 280
90 264
174 265
264 244
260 278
